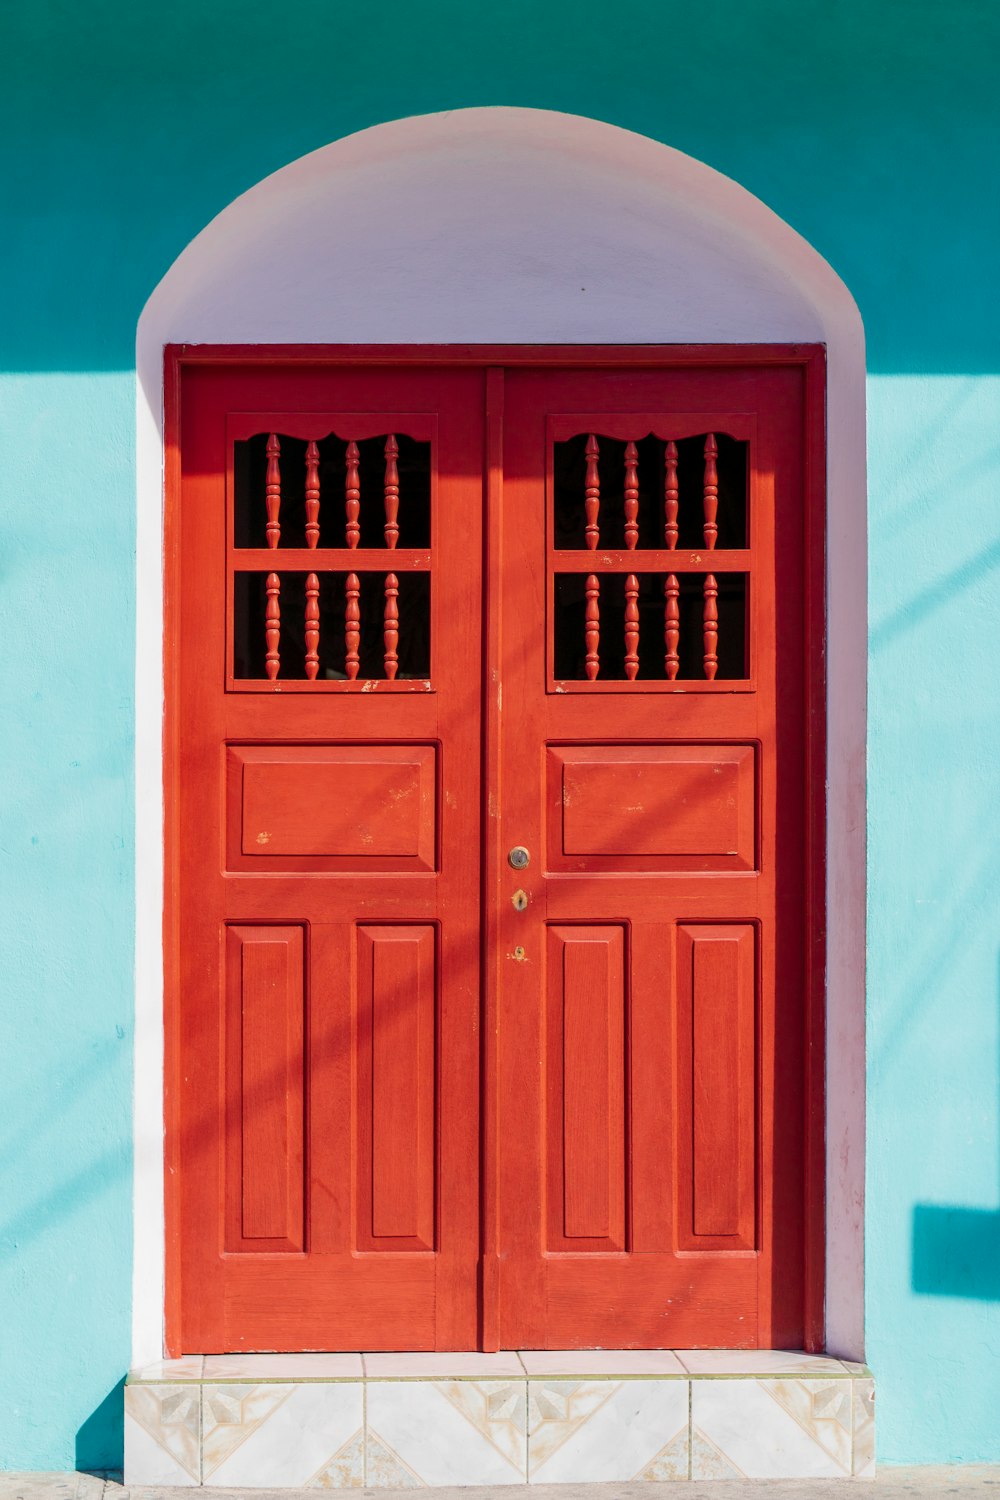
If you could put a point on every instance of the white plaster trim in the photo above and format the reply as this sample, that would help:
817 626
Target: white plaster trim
517 226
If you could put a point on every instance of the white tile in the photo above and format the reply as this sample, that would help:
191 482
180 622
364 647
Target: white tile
283 1435
189 1367
770 1429
758 1362
162 1434
596 1362
445 1432
462 1366
581 1431
255 1367
864 1429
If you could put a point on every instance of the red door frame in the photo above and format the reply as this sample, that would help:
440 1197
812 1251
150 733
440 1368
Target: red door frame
811 359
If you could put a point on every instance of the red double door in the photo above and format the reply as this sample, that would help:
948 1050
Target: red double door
488 946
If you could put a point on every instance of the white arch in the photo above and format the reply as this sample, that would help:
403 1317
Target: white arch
518 226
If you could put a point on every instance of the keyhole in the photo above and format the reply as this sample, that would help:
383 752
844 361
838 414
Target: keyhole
520 900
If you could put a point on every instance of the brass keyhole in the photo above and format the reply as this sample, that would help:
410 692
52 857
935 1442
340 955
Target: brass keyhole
519 900
519 954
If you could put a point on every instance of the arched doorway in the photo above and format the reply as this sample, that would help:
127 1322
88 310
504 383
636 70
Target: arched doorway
527 227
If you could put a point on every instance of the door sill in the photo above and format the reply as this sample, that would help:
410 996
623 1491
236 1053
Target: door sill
340 1421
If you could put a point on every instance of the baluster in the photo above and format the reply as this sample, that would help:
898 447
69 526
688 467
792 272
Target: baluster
391 491
272 625
312 626
711 626
592 493
631 496
670 497
390 633
672 626
352 493
631 627
352 628
711 491
592 632
312 495
272 491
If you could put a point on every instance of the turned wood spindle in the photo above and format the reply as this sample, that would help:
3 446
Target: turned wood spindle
631 627
352 626
711 626
312 626
670 497
592 493
711 491
671 626
631 496
592 630
272 626
352 496
272 491
391 491
390 633
312 495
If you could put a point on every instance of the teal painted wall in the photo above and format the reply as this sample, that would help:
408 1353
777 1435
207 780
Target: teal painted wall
870 128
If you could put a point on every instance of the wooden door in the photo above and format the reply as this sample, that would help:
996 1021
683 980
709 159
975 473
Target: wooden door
324 708
649 875
565 788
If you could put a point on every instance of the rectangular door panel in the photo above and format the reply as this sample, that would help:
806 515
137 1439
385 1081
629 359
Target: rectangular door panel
334 807
586 1088
265 1067
716 981
652 807
396 1073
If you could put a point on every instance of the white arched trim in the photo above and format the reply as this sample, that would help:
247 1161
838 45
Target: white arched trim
506 226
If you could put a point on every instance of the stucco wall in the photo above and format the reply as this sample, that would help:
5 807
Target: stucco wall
871 130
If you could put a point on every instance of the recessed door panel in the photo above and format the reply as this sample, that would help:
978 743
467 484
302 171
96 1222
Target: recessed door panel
651 807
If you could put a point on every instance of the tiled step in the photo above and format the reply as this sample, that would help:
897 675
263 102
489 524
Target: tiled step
390 1421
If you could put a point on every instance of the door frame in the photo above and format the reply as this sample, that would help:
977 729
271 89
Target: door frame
493 359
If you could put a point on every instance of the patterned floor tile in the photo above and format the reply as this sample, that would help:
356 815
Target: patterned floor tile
188 1368
759 1362
163 1434
583 1364
283 1435
771 1429
432 1366
607 1430
446 1432
256 1368
864 1428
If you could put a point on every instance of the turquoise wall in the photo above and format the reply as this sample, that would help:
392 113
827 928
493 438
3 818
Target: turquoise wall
870 128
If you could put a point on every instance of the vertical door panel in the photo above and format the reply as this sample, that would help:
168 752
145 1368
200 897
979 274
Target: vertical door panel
586 1088
716 1074
264 1088
396 1071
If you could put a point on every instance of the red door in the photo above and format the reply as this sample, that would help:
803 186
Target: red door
650 953
328 813
487 698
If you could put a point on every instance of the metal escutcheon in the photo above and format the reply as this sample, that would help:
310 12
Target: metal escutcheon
519 900
518 857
